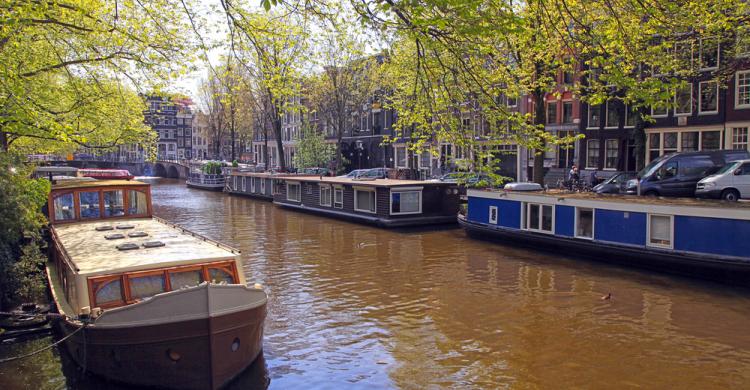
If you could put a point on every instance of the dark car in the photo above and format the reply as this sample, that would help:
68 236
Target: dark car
615 184
314 171
677 174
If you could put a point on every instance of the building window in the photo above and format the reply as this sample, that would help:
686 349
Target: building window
584 222
567 112
739 138
592 153
711 140
338 198
293 192
683 100
613 115
742 89
364 200
611 154
493 217
660 110
325 195
708 97
551 112
400 152
594 116
709 56
689 141
670 142
660 230
406 202
654 146
539 217
742 45
684 54
630 116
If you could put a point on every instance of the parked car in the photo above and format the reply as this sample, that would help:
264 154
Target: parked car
731 182
314 171
615 184
678 174
354 174
374 173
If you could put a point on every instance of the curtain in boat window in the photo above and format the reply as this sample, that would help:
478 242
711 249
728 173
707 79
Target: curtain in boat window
137 203
64 209
660 230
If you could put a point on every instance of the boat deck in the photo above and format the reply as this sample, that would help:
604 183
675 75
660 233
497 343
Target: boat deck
92 253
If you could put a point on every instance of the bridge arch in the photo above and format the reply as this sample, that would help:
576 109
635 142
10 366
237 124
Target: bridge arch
160 170
172 172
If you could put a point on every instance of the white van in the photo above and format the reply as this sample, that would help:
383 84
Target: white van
731 182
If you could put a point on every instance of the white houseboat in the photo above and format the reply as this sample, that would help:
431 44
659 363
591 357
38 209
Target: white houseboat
143 301
206 175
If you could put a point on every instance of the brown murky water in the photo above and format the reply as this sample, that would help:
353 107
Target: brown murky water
359 307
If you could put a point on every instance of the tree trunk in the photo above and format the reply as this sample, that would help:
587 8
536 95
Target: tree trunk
639 140
4 141
538 97
279 142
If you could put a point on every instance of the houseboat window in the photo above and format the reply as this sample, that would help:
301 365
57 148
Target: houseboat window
262 185
113 204
364 201
136 203
539 217
64 209
108 292
338 198
252 184
493 215
325 196
146 286
219 275
235 187
584 222
244 183
179 279
406 202
660 230
89 203
293 192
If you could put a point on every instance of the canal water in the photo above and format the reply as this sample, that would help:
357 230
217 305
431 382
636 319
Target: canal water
352 306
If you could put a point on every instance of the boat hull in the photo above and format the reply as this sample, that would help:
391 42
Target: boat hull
721 269
194 354
208 187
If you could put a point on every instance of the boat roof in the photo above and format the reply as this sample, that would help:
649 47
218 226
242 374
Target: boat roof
92 253
365 182
69 184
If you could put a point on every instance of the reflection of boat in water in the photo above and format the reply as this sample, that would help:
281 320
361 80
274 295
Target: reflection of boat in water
206 175
146 302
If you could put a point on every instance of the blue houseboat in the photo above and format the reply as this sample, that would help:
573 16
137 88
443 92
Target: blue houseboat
708 239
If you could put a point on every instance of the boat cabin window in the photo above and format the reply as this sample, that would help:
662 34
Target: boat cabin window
660 230
89 204
338 197
538 217
146 286
64 207
189 278
293 192
108 292
406 202
114 206
364 200
137 203
220 275
584 222
325 195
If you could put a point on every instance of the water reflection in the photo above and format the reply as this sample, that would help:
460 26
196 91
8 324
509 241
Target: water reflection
354 306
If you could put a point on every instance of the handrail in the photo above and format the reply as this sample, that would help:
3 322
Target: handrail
198 235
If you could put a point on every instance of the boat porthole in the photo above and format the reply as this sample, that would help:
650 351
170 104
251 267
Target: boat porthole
235 344
173 356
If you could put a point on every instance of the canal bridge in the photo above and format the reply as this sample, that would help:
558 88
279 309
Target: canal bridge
177 169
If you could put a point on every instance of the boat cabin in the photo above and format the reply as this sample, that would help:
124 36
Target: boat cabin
253 184
81 200
382 202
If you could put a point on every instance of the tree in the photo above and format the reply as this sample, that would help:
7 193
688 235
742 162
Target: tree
312 149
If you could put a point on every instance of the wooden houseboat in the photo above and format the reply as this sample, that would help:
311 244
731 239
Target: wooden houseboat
381 202
206 175
143 301
254 184
106 174
703 238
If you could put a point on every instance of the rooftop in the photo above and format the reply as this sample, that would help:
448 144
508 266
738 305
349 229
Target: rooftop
92 253
68 184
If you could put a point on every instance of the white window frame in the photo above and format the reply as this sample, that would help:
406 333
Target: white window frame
676 114
497 216
593 223
733 129
718 54
737 104
587 153
341 204
299 191
328 199
235 185
606 142
244 183
743 32
252 183
526 215
666 113
262 185
403 190
671 231
589 113
395 157
606 117
374 196
700 98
